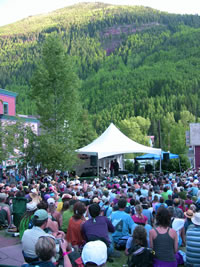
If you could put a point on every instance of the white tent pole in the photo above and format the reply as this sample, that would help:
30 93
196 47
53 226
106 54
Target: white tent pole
97 165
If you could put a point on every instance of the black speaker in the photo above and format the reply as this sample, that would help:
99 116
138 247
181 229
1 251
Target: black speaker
166 157
93 161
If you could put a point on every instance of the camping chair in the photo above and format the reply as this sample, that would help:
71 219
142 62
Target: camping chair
18 209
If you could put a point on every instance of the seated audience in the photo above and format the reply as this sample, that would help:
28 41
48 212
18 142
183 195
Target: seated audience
94 253
98 227
26 222
45 249
31 236
193 242
74 234
121 221
163 240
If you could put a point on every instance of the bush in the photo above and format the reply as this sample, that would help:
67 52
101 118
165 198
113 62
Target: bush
173 164
129 166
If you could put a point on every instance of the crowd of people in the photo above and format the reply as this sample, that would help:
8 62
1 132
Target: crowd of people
61 221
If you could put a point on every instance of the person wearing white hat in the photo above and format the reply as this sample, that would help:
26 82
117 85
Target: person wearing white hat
56 215
193 242
94 252
26 222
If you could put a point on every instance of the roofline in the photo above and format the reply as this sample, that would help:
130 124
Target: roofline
15 118
9 93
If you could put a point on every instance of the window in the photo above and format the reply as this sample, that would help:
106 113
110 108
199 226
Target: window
5 108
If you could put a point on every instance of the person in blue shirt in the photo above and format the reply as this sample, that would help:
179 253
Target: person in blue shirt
160 204
122 221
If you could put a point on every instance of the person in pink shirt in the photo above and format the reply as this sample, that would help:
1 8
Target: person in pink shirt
139 218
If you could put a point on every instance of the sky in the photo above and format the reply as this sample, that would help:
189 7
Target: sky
14 10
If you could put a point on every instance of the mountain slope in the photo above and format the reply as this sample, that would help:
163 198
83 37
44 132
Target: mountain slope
132 60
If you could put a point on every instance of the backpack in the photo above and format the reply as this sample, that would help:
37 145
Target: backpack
121 243
140 257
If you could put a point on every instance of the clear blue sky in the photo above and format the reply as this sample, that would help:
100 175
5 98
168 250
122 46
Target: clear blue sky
14 10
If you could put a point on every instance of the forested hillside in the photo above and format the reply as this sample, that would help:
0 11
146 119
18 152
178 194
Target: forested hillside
132 62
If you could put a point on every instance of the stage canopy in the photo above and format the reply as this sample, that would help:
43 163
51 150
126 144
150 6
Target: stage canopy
114 142
156 157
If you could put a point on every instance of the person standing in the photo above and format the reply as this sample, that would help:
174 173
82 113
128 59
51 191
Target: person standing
116 167
111 168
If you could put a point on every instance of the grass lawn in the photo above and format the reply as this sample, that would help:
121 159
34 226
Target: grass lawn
118 262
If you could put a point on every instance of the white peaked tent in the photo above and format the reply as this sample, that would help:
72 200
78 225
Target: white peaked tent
114 142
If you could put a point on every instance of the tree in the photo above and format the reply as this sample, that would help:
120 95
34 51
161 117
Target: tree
136 128
87 132
11 139
54 87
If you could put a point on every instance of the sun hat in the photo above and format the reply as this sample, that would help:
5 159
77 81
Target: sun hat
196 218
41 215
196 181
31 206
66 196
51 201
189 214
34 191
95 200
95 252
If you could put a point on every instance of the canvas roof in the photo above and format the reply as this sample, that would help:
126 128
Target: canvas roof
156 157
114 142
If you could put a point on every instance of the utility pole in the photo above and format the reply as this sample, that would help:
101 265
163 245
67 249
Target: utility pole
159 135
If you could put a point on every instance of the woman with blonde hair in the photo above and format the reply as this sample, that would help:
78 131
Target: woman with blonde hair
139 218
45 249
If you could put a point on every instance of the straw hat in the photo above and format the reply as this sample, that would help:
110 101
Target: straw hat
66 196
196 218
189 214
96 200
34 196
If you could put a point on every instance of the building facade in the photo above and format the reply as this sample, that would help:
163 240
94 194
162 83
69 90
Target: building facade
8 115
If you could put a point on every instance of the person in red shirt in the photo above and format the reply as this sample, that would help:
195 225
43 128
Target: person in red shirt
74 235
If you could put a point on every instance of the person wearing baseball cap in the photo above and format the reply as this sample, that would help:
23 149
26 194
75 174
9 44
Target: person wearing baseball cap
31 236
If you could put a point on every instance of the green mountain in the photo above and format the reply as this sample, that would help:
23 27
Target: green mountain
133 61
